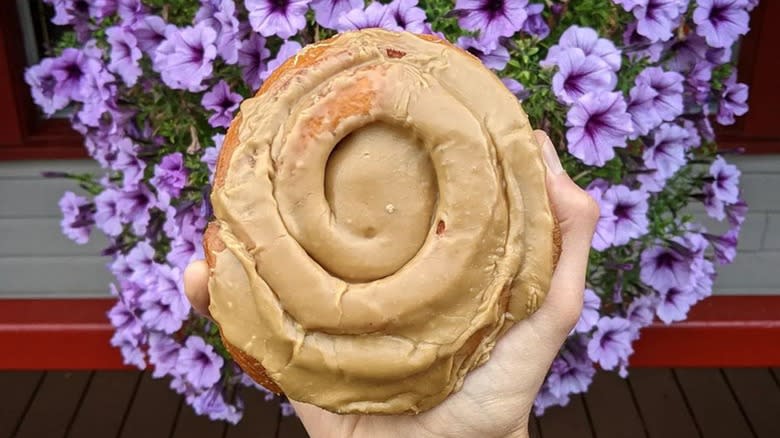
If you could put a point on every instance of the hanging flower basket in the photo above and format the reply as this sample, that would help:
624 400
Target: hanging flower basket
626 89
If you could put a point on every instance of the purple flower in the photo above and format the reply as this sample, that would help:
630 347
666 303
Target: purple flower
571 372
638 47
186 248
251 57
77 218
327 12
222 103
43 85
200 363
170 176
127 325
545 399
211 154
641 311
587 40
286 51
698 80
598 123
579 74
664 267
407 15
495 59
675 303
220 15
515 88
733 100
124 54
283 18
134 204
721 22
534 24
131 351
590 312
736 212
657 18
212 403
493 19
140 260
713 205
726 180
669 88
150 32
130 11
641 107
375 15
611 343
74 13
73 70
107 215
127 161
604 235
630 213
186 56
667 153
725 246
704 278
164 305
163 354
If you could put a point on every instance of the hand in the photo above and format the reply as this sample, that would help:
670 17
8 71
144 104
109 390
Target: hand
496 398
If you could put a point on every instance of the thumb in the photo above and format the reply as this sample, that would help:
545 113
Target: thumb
577 214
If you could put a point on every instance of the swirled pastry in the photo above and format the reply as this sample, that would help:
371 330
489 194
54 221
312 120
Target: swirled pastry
381 218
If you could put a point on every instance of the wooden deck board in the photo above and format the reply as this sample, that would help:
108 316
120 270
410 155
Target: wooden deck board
757 393
661 404
191 425
714 408
611 407
533 428
18 388
569 421
56 401
153 411
291 427
105 404
261 417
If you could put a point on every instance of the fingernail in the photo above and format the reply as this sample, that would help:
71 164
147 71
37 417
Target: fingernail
551 157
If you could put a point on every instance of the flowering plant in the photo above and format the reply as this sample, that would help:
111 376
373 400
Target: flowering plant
627 89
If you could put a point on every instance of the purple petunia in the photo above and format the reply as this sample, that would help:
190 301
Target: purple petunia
604 234
571 372
77 217
515 88
222 103
126 161
140 262
657 18
43 85
286 51
545 399
493 19
134 204
283 18
736 213
590 312
210 154
535 24
163 354
186 57
220 15
107 215
721 22
725 245
375 15
733 100
674 303
629 211
641 107
252 55
725 185
587 40
407 15
664 267
150 31
641 311
212 403
125 54
579 74
164 305
610 345
667 153
73 70
597 124
201 364
495 59
170 176
327 12
668 85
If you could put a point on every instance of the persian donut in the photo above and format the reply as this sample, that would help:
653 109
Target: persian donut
381 219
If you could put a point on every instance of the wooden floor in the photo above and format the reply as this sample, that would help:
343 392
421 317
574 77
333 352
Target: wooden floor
653 403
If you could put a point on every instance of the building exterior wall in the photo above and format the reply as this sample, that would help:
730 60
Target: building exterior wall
36 260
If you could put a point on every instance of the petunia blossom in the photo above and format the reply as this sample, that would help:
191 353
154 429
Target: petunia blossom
201 362
721 22
733 100
579 74
222 103
492 18
587 40
597 124
610 345
327 12
375 15
283 18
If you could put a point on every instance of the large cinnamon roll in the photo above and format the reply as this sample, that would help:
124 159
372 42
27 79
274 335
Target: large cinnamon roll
381 218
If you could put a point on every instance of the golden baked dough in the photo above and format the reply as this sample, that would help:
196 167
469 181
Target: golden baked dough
381 219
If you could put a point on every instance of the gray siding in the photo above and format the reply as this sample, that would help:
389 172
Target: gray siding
37 261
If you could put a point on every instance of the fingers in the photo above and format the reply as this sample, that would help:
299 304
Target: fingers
196 279
577 214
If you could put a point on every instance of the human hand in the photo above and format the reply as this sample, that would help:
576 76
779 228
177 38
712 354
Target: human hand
496 398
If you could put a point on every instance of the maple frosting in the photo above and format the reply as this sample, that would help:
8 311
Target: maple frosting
382 219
